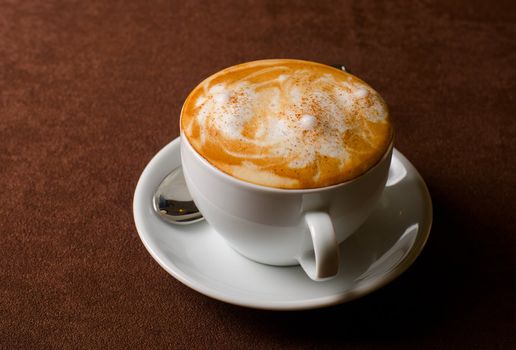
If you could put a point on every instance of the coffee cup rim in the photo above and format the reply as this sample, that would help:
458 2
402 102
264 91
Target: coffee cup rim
263 188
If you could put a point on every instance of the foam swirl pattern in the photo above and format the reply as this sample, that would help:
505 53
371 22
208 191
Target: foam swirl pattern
287 123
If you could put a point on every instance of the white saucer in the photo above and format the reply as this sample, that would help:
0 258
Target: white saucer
385 246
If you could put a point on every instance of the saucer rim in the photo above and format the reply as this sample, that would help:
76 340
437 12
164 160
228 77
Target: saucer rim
304 304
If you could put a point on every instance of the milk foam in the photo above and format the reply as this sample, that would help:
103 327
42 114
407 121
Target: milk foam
278 114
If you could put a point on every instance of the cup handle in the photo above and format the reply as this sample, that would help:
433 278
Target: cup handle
322 262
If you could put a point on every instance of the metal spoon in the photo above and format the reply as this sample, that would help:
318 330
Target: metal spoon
172 201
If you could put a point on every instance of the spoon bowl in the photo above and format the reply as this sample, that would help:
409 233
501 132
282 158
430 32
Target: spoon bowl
172 201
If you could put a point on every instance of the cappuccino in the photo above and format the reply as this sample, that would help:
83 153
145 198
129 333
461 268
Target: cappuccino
287 123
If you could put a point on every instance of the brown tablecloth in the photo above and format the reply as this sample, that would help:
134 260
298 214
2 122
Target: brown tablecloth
90 91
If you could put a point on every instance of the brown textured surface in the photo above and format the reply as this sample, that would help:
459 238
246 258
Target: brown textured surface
91 91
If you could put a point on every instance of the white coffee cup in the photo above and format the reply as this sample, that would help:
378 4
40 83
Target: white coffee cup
283 226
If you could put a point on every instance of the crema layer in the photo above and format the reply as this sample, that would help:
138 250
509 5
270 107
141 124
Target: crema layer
287 123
